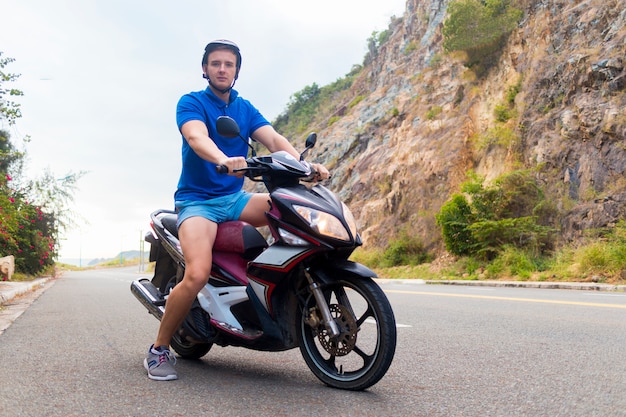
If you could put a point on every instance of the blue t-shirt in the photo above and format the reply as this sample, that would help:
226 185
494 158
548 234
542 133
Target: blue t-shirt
198 179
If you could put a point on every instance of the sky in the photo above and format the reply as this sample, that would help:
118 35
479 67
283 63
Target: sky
101 79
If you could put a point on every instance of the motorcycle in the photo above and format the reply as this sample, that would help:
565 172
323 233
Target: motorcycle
295 289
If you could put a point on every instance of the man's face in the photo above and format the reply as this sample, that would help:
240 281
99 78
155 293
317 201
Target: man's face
221 68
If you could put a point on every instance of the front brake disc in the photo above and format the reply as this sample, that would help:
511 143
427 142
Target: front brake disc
345 342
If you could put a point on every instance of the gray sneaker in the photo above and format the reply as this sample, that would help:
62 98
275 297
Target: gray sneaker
159 363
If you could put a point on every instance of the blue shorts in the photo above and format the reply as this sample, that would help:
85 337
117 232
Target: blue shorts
218 210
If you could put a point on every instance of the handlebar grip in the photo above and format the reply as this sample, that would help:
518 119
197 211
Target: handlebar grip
221 169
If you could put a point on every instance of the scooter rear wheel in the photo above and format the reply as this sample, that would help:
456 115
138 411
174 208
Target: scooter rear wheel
189 350
361 355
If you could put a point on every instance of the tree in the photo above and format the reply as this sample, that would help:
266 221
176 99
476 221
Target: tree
9 110
32 212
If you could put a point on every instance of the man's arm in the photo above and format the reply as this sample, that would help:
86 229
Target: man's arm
197 135
274 141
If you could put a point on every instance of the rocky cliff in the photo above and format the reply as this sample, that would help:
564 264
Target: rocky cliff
398 154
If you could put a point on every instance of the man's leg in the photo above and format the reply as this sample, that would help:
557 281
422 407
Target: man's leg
254 212
197 236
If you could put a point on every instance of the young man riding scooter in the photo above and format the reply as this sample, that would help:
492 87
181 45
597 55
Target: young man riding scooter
205 198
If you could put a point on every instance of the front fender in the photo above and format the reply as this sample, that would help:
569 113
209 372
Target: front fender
342 266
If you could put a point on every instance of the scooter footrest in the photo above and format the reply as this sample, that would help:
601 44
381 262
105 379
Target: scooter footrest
243 333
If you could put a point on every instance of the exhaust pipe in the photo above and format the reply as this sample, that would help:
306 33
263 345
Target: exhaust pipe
149 296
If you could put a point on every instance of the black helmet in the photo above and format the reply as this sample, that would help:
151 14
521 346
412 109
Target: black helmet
222 44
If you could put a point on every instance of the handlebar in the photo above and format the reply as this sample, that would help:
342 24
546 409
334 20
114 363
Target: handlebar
277 169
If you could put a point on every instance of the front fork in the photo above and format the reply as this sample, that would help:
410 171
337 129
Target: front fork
322 305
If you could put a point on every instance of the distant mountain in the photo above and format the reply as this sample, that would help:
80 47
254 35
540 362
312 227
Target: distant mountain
122 256
74 261
125 256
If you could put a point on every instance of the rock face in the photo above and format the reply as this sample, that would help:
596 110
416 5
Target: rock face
399 154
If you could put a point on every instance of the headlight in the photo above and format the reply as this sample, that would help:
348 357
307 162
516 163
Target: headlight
324 223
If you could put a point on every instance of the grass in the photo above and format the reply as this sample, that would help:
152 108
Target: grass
600 261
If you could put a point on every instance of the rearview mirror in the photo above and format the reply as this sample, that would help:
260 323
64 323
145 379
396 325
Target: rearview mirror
227 127
310 142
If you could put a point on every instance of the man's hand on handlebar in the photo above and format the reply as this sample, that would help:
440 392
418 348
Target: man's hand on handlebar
233 164
321 173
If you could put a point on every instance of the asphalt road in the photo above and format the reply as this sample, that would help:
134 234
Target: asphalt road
77 350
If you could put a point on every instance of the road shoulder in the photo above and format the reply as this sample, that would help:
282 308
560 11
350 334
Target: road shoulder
16 297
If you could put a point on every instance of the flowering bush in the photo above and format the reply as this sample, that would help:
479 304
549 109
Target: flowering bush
26 232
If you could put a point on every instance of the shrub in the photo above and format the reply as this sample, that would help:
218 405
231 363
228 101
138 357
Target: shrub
478 27
412 46
435 61
497 135
355 101
520 232
369 257
25 231
503 113
513 262
454 218
406 250
498 216
333 119
433 112
512 92
606 254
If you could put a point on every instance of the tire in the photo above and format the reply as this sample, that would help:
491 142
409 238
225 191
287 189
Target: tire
189 350
364 350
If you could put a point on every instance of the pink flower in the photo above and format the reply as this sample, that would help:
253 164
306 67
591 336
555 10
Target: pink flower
9 177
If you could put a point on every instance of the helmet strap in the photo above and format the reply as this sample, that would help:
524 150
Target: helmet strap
224 90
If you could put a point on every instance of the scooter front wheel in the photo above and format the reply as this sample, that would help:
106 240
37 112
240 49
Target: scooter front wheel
362 353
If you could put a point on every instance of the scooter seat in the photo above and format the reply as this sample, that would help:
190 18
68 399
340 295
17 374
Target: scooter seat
240 237
234 236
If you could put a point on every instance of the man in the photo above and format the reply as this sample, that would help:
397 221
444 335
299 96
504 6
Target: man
205 198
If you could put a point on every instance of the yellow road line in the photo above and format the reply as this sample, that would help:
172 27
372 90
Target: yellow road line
528 300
